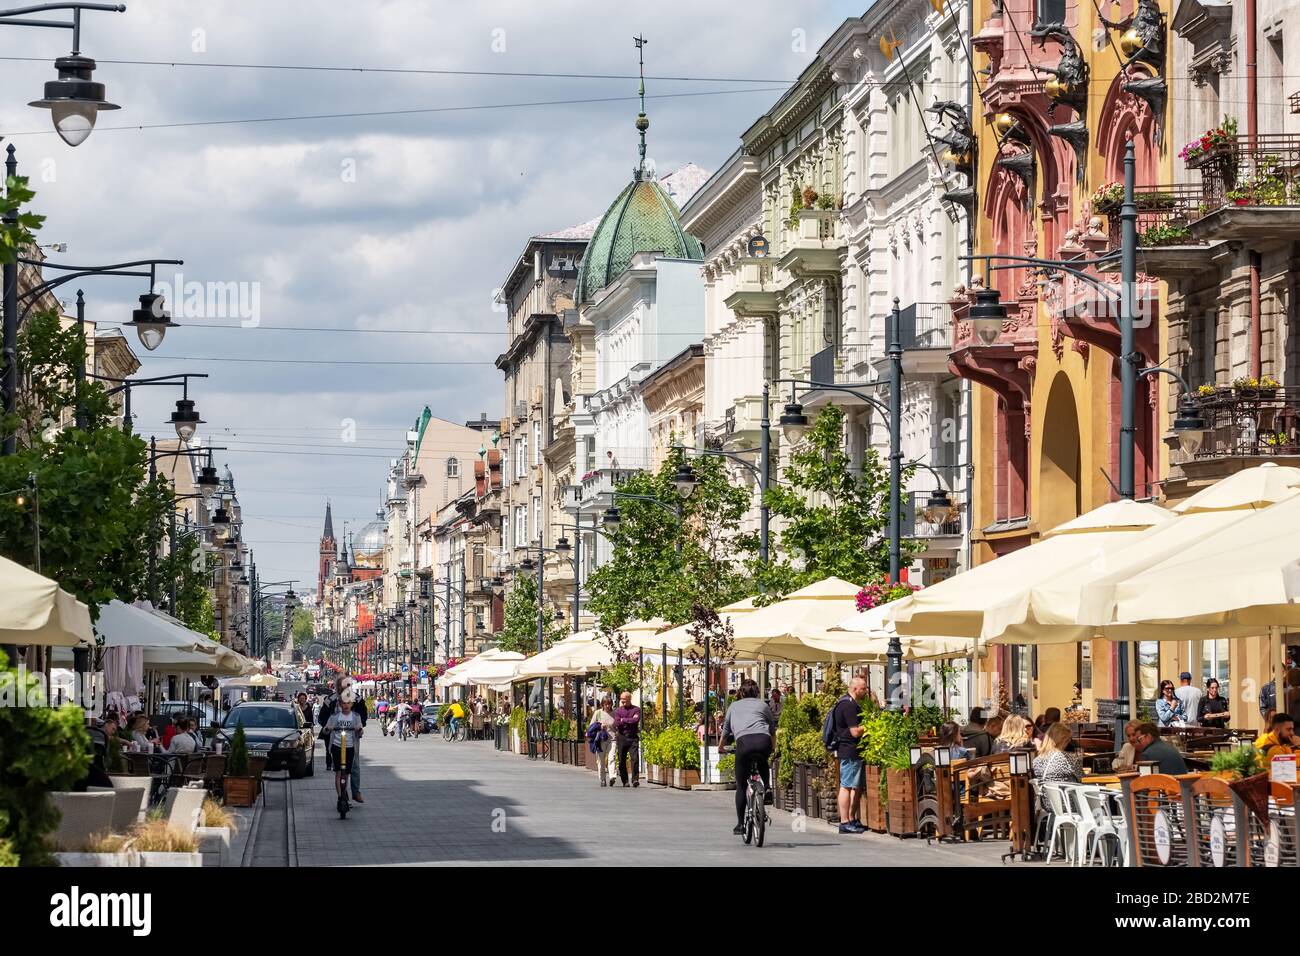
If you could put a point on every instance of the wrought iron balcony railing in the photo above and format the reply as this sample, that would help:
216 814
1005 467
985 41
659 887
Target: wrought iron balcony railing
1251 421
1241 171
1164 215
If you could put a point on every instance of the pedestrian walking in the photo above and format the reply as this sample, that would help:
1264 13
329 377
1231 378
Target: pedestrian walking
600 734
627 727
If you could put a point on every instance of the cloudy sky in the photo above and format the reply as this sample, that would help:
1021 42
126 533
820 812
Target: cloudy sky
366 226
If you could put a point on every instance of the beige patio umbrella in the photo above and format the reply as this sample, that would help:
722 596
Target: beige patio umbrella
779 630
676 638
543 664
493 659
957 607
1086 594
865 636
35 610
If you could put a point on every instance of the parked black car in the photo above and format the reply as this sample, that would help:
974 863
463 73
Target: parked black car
276 730
429 714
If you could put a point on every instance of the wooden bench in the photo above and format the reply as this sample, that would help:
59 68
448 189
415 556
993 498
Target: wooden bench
965 812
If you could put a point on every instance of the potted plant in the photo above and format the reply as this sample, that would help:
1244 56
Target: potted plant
679 751
1253 389
727 769
213 833
101 850
1216 142
809 196
519 730
1164 234
1107 199
650 753
160 844
1236 764
238 785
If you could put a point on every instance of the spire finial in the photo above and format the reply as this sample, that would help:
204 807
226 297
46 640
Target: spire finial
642 122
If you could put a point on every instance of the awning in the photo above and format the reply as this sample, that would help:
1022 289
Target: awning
35 610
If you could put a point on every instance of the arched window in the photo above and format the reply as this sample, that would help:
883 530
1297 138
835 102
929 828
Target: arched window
453 468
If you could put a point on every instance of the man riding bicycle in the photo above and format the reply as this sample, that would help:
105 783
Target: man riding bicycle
454 714
749 722
345 725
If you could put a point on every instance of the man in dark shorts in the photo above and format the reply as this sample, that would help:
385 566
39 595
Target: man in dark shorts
848 731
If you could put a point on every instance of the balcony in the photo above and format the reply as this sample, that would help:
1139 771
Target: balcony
942 535
1251 189
744 422
925 333
814 243
598 487
1247 427
1167 246
756 292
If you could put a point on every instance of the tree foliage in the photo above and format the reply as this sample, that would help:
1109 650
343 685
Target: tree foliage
663 567
302 628
99 517
41 749
519 631
186 563
834 518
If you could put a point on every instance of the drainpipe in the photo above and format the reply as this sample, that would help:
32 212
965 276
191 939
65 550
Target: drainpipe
1252 130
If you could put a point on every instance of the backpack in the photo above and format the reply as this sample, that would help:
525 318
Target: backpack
830 735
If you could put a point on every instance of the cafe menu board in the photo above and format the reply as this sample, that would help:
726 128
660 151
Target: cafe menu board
1281 769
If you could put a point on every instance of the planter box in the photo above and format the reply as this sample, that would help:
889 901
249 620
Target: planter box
171 859
684 779
214 844
901 809
589 759
874 805
239 791
126 858
656 774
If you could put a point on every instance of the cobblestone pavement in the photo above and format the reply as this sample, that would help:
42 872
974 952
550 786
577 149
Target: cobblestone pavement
428 801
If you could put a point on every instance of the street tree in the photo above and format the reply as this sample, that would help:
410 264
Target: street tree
519 630
662 566
834 518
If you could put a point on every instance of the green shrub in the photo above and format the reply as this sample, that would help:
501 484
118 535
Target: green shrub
678 748
727 763
794 720
237 761
1242 762
518 722
650 748
808 748
558 728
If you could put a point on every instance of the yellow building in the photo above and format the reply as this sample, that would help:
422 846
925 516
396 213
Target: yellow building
1052 118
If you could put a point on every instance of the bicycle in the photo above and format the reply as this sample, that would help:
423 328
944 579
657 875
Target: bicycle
342 775
755 825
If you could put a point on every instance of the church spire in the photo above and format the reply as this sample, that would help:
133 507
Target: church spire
329 522
642 121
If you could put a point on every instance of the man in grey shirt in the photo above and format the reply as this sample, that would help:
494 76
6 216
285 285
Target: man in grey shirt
749 722
1190 695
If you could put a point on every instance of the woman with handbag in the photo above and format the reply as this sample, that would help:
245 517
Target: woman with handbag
600 732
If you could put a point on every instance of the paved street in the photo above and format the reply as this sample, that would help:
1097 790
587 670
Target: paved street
429 801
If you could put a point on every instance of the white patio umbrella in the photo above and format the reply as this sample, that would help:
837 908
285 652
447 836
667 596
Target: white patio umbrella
459 675
35 610
1086 594
981 602
865 636
544 664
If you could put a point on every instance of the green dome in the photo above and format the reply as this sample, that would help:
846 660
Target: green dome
642 219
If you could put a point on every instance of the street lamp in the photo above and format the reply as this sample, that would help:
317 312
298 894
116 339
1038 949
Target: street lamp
793 422
684 481
74 99
151 321
612 518
987 315
185 419
208 482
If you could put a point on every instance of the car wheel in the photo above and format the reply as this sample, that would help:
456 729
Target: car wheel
311 764
299 768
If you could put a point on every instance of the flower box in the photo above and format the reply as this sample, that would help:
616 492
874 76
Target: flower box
874 813
239 791
683 779
124 858
901 809
656 774
171 859
214 844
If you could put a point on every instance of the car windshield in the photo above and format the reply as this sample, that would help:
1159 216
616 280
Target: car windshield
261 717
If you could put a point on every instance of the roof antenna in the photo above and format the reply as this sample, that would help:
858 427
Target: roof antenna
642 122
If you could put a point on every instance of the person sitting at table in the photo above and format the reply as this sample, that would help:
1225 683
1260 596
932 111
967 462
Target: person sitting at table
1169 709
1046 719
1126 759
185 740
1151 747
975 735
1213 709
140 734
1015 735
950 737
1280 739
169 731
1054 764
